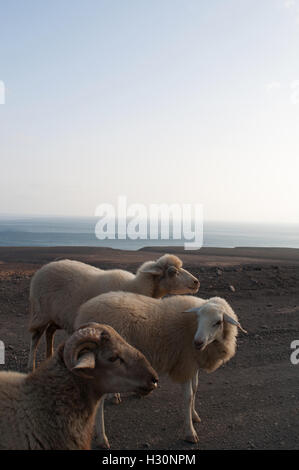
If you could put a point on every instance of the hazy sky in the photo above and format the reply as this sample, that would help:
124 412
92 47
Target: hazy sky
193 101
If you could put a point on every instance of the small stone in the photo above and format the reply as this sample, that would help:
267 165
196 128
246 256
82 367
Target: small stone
232 288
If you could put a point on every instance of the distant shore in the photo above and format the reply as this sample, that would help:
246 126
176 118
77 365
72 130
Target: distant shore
30 258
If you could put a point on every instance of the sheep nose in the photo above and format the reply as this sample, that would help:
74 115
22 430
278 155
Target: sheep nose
198 344
155 381
196 282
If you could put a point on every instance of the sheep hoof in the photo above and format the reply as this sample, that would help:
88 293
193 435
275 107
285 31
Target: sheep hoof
192 438
116 399
104 444
195 418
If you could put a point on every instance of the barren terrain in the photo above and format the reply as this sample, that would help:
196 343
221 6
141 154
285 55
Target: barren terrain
250 403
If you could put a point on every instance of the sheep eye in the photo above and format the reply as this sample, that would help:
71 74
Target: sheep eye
218 323
172 271
115 358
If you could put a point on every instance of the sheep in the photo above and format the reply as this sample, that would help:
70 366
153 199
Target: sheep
60 287
178 335
54 407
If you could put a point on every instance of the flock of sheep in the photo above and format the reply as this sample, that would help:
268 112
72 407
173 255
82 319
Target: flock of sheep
122 328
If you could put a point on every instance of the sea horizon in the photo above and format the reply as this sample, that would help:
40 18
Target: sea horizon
80 231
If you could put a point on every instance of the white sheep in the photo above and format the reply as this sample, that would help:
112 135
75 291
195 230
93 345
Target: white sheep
178 335
60 287
54 407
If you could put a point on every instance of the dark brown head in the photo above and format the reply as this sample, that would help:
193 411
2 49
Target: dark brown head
99 354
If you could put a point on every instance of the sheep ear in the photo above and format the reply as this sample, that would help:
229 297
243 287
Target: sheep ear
231 320
154 270
194 309
86 363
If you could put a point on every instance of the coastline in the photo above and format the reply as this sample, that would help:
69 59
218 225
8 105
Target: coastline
29 258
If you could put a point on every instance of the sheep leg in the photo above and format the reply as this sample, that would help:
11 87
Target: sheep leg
195 417
35 338
100 425
190 433
50 333
115 398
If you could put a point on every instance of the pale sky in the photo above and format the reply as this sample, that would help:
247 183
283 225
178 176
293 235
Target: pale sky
163 101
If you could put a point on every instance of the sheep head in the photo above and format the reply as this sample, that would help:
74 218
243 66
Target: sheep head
170 277
212 319
99 354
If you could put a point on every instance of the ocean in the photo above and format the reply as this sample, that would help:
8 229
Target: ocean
80 231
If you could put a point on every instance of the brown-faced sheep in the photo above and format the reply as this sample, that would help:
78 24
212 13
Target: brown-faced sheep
60 287
178 335
54 407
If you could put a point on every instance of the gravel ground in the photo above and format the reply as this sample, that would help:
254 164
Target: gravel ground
250 403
